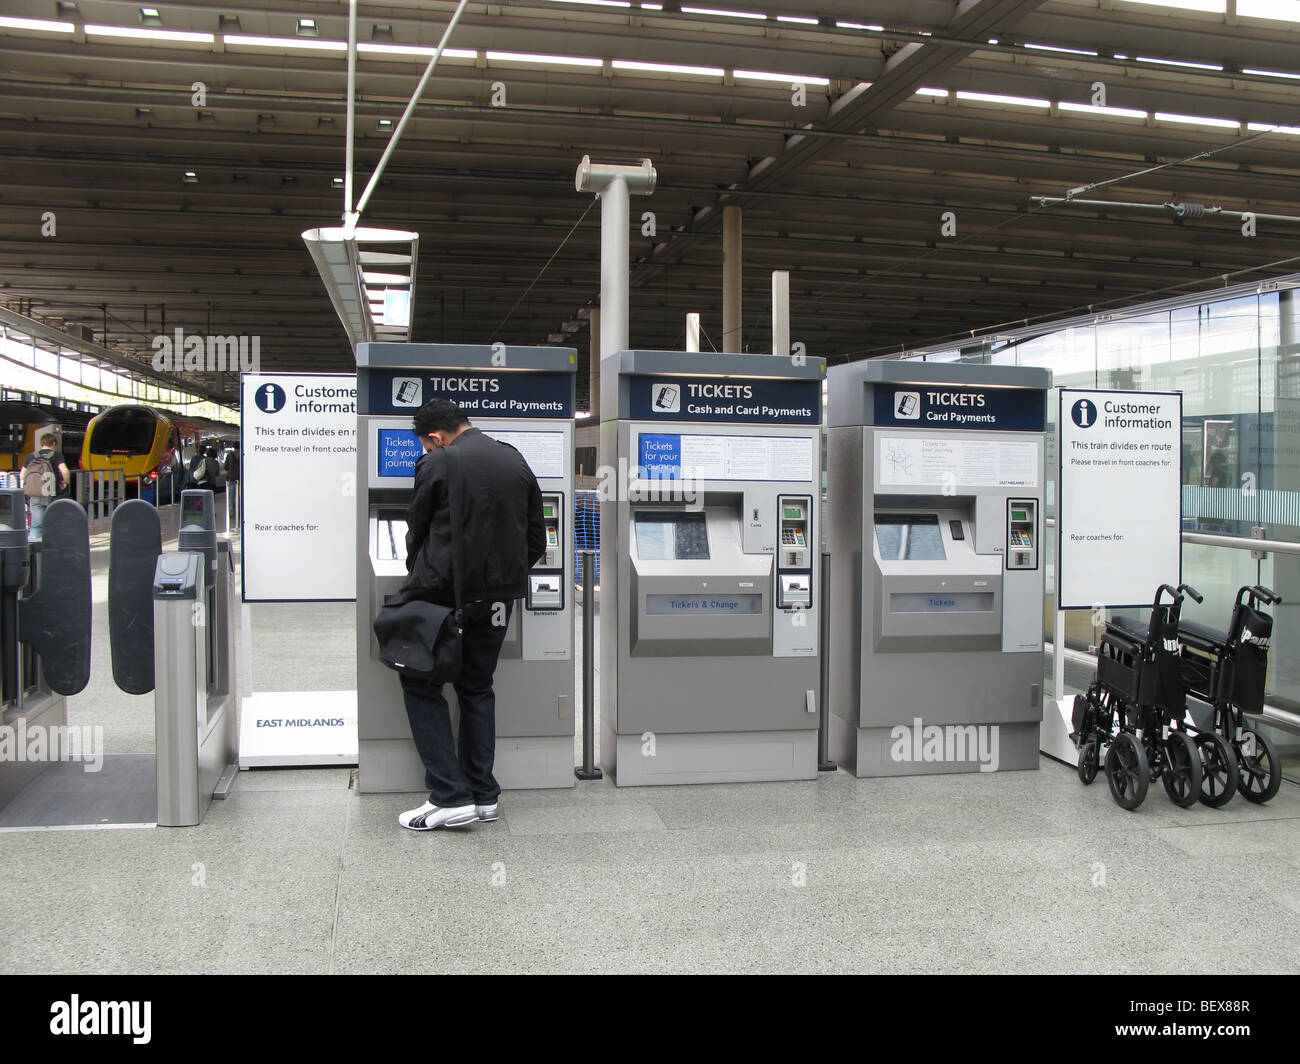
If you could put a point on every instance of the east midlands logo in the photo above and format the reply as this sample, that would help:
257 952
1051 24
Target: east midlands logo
667 398
211 354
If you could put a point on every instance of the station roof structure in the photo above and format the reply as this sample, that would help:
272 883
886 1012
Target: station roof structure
886 154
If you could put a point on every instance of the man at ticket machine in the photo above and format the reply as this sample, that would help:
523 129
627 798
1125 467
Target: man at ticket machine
477 502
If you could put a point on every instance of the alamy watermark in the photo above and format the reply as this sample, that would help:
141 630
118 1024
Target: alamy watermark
61 742
946 743
206 354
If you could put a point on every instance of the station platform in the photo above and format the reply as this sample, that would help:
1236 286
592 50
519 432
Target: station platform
1019 872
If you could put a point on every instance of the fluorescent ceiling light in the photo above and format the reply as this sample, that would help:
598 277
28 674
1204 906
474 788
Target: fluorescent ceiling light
1178 63
545 60
1087 108
305 43
136 33
931 92
1269 73
722 13
668 68
653 7
1195 120
858 26
797 18
1217 7
1054 48
1264 127
1279 10
414 50
1012 101
36 25
788 79
597 3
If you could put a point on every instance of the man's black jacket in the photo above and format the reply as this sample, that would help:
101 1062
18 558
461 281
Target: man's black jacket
498 518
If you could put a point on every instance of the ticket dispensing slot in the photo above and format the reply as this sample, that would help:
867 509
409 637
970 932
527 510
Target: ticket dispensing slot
933 589
794 552
695 590
1022 533
546 580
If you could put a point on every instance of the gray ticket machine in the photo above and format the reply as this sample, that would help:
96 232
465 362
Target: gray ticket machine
936 488
709 567
524 397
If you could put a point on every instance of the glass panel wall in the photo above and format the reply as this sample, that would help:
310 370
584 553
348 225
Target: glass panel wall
1235 357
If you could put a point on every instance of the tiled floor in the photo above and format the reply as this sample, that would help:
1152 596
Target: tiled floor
296 872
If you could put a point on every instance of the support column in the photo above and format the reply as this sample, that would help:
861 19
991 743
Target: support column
781 312
731 279
593 367
613 268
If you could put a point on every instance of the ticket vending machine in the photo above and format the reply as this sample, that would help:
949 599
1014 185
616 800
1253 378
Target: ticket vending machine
524 397
936 493
709 633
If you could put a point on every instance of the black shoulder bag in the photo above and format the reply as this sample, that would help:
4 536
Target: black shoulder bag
423 639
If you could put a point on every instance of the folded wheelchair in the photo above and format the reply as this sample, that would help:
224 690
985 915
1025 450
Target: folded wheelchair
1227 671
1131 717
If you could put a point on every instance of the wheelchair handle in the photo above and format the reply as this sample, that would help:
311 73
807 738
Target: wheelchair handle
1263 594
1196 596
1173 594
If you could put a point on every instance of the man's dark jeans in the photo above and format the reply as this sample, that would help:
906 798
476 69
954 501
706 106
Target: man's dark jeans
466 777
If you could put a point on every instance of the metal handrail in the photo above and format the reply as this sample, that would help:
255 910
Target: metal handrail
1210 539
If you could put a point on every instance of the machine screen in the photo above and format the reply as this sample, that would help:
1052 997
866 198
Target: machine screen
666 537
909 537
192 510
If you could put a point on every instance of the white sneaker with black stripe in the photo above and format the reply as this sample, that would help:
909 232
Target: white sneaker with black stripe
488 813
430 816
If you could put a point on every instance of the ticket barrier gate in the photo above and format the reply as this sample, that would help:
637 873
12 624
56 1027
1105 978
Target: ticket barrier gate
44 626
194 681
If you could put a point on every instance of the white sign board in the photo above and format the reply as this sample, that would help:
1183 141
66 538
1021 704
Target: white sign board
925 461
279 728
542 450
299 466
702 457
1119 515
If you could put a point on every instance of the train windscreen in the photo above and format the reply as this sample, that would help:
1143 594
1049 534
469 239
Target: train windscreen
123 432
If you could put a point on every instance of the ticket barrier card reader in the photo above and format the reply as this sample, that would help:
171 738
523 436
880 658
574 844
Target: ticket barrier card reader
522 396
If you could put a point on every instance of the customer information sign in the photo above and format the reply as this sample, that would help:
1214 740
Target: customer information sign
299 451
1119 515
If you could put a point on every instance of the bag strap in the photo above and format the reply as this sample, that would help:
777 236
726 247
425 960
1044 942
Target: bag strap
454 480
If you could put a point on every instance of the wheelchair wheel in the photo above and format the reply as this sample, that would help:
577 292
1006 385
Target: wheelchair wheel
1219 776
1260 768
1181 774
1088 762
1127 772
